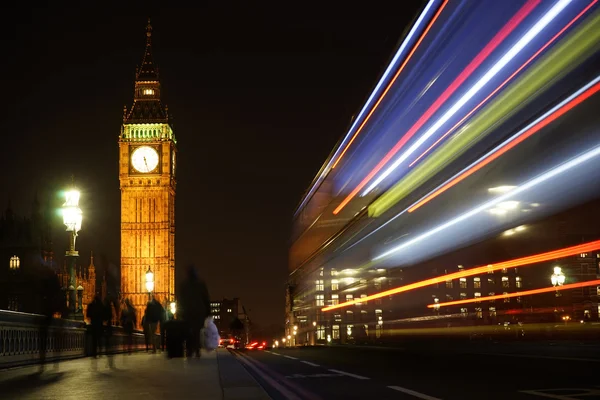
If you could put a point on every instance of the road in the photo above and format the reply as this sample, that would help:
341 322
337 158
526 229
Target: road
499 372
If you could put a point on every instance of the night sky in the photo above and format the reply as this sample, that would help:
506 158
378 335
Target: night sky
259 97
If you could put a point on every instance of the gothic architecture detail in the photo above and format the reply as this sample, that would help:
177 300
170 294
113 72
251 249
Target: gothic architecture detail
147 153
85 279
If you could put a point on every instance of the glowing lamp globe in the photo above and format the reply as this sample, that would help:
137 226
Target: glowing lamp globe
72 215
149 280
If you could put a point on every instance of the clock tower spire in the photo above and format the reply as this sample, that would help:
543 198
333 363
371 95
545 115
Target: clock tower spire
147 152
147 105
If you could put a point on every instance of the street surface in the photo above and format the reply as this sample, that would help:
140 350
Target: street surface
138 376
490 371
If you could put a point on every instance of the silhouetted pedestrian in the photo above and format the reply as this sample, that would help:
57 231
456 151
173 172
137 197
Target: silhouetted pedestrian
154 313
193 308
146 330
50 303
128 321
95 312
108 330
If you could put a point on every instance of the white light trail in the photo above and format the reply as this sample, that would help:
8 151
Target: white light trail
504 189
500 199
393 64
506 58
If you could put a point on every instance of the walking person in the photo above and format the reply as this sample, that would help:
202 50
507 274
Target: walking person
153 316
108 330
194 308
95 312
146 330
128 321
162 322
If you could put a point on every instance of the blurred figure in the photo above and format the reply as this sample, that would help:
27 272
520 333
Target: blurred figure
51 299
193 308
95 312
161 324
154 312
107 319
128 321
146 329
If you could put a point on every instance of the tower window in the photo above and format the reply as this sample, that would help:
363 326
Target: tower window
15 263
148 92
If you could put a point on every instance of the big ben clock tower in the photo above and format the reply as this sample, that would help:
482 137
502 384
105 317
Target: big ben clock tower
147 154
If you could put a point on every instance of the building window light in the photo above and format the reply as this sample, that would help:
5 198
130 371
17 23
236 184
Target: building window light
335 333
335 299
479 312
449 284
320 285
505 282
335 284
362 296
15 263
518 282
476 283
148 92
463 283
320 300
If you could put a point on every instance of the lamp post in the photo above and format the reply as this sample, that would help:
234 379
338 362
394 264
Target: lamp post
72 217
557 278
80 298
173 308
149 283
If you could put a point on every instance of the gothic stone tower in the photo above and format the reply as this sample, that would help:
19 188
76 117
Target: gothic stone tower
147 154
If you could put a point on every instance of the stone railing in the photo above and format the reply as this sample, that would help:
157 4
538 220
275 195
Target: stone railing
21 337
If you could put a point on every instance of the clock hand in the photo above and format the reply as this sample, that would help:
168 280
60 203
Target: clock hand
147 167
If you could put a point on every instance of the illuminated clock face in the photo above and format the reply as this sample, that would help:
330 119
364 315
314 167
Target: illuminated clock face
144 159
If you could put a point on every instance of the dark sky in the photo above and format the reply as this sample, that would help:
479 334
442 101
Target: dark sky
259 97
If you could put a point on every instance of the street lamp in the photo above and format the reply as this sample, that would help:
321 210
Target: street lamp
149 282
173 307
72 217
558 277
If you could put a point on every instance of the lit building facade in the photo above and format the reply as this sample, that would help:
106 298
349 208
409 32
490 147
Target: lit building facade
441 171
225 312
147 157
389 317
86 283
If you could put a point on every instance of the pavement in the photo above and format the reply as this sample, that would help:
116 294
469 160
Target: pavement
215 375
505 372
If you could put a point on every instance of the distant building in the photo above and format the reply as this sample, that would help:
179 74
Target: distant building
25 251
388 316
225 312
86 280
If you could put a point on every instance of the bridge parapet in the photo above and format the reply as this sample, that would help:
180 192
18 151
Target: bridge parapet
22 335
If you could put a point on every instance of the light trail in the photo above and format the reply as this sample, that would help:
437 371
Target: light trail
390 67
473 90
495 69
518 262
506 58
506 81
413 50
561 60
556 112
517 294
575 162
